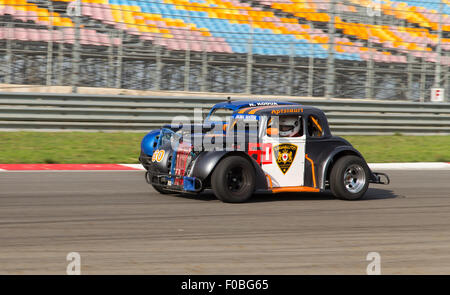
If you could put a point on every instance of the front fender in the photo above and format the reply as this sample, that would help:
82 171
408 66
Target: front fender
206 162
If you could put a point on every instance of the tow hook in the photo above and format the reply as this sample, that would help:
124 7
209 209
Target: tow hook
380 177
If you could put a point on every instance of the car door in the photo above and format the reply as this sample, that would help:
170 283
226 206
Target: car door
317 148
284 159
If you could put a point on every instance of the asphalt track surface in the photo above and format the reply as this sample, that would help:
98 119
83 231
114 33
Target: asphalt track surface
120 225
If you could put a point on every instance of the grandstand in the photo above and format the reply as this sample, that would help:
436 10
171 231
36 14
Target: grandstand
385 49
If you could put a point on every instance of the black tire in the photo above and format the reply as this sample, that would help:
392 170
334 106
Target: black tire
349 178
233 180
161 190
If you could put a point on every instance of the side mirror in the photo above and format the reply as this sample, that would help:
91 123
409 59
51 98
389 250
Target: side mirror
272 131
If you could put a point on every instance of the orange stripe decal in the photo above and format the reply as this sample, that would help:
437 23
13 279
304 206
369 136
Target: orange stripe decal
317 123
270 180
254 110
259 108
244 110
294 189
312 169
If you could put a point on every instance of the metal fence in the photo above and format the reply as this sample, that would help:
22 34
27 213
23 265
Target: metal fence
59 112
130 62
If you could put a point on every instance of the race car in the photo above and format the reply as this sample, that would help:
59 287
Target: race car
266 148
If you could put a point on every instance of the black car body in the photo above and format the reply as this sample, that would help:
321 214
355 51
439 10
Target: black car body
248 158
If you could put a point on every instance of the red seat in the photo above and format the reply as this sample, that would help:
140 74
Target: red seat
20 34
34 35
86 9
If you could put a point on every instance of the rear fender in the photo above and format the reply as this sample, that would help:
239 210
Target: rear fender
337 153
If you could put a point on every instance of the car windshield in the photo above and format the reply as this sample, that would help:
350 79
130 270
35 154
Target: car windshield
221 113
169 136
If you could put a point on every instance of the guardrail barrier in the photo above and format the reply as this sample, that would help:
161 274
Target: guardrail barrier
80 112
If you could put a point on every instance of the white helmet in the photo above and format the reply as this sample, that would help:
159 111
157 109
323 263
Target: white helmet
289 126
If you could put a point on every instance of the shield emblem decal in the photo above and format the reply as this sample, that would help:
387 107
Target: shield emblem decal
285 154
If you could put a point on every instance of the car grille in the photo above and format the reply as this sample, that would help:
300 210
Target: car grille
181 163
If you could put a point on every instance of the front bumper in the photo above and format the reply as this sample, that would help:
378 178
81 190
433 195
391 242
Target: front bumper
167 181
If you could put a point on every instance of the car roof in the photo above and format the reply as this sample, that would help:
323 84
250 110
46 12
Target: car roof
239 104
277 110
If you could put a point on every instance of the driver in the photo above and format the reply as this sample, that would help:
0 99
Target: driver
290 126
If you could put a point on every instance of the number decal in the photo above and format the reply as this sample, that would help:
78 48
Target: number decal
268 158
261 152
158 155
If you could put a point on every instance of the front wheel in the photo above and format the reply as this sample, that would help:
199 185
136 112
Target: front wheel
349 178
233 180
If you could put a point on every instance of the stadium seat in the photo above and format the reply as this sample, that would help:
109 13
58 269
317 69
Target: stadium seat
215 26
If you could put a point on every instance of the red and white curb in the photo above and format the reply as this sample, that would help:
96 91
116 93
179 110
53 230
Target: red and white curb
70 167
138 167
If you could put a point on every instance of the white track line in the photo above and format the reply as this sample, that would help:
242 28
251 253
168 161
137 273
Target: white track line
135 166
411 166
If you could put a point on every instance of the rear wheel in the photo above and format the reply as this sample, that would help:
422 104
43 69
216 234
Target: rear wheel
233 180
349 178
